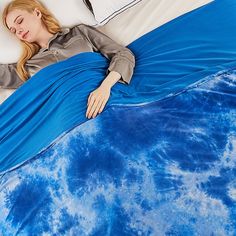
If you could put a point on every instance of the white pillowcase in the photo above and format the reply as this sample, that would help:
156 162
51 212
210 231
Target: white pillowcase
105 10
69 13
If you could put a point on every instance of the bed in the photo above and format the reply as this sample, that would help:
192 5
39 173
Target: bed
159 160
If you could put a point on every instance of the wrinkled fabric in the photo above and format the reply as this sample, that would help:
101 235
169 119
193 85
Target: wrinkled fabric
159 160
163 168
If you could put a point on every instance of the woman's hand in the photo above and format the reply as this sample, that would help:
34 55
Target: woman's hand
97 100
99 97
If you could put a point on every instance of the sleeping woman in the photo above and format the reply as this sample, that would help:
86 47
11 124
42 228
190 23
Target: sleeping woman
44 42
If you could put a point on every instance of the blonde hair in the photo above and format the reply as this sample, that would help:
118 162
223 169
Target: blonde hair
30 49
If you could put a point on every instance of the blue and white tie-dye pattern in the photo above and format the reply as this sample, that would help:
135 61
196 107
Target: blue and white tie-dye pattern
159 160
171 171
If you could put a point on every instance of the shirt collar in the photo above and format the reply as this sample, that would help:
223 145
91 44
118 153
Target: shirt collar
63 31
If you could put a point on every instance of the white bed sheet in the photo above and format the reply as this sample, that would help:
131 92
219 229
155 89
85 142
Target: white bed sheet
146 16
138 20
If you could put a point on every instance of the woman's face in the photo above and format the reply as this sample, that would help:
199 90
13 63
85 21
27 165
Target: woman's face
26 26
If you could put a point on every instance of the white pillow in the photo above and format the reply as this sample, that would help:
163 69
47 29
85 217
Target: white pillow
105 10
69 13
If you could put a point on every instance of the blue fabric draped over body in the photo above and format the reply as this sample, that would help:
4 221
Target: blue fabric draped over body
162 168
168 59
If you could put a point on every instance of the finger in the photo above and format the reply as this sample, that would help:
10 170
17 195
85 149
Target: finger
97 108
93 108
89 98
92 100
102 106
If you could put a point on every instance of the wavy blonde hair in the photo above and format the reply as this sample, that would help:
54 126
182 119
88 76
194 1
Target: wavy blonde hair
30 49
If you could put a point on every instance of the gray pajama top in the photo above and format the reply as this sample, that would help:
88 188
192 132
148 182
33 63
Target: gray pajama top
69 42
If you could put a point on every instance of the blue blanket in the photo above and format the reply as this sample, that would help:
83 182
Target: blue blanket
160 160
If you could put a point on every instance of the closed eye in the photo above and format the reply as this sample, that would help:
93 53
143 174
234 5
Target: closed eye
20 21
13 30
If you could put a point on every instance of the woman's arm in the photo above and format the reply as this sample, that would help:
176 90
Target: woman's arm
111 79
121 67
9 78
122 60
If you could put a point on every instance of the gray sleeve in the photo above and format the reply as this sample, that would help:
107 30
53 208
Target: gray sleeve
122 60
9 78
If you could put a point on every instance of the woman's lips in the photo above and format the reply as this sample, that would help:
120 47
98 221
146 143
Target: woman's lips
25 35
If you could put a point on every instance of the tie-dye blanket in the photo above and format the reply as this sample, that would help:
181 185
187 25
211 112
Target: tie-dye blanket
159 160
164 168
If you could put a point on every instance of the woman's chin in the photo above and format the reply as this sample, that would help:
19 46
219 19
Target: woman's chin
27 40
